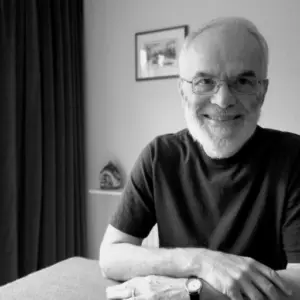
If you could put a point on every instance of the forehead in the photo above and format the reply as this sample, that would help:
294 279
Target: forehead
223 52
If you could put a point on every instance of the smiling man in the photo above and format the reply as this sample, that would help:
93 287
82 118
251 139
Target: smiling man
225 192
222 117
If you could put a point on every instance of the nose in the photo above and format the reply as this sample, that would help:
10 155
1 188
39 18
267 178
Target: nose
223 97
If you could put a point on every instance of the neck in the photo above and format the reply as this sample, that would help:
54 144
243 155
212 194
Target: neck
223 149
220 148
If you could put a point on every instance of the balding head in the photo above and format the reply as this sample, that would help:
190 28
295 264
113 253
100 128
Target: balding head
234 31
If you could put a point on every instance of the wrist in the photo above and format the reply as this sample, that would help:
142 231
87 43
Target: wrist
186 261
181 261
192 261
209 293
194 287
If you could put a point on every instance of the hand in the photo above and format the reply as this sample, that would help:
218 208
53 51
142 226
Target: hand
238 277
149 288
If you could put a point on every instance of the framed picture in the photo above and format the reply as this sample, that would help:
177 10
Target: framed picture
157 51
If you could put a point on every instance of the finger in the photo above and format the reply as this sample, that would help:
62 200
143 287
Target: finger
235 295
254 290
118 293
266 287
274 278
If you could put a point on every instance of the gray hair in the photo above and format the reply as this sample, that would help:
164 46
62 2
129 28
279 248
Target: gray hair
248 25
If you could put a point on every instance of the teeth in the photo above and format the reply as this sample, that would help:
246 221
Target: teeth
221 118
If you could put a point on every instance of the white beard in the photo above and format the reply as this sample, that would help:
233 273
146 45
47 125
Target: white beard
216 141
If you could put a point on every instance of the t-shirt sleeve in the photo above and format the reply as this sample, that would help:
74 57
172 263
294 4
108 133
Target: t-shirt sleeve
291 221
135 215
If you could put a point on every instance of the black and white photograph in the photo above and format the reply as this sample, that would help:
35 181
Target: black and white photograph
149 150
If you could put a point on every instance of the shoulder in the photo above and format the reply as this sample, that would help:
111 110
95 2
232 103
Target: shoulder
167 149
164 148
281 151
281 140
171 145
179 139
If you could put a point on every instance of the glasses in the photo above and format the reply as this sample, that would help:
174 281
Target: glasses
240 85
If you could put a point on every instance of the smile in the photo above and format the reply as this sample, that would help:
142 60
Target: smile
222 118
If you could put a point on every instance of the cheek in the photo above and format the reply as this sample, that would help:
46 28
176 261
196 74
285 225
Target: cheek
197 103
251 103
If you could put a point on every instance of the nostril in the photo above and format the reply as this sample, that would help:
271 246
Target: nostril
223 99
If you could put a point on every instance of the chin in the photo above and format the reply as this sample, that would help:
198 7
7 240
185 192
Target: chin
221 141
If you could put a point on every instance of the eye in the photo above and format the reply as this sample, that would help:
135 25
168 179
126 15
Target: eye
204 81
245 81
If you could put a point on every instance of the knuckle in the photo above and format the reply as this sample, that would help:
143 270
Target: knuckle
272 273
233 295
250 262
249 259
231 287
271 290
245 269
240 276
230 283
255 295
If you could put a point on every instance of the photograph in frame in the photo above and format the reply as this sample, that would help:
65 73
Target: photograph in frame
157 52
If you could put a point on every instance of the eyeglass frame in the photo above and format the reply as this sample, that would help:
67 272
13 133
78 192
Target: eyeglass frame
220 82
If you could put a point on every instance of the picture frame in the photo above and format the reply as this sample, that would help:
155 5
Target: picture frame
157 51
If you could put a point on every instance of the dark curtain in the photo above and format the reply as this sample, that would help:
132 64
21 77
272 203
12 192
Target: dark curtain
42 202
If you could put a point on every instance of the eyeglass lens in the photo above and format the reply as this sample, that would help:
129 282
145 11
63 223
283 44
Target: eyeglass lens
242 85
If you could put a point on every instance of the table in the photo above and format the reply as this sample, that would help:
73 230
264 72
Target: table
76 278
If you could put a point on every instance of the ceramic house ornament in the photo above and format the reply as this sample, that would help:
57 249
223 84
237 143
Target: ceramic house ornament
110 177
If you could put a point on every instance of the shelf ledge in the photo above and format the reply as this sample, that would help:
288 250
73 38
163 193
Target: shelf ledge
106 192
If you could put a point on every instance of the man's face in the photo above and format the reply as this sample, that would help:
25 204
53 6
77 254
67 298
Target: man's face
224 121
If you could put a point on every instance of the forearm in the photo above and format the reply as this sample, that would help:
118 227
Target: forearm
125 261
292 278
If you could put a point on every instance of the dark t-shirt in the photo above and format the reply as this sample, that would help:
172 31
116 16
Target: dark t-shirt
248 204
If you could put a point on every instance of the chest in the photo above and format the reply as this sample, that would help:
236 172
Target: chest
220 208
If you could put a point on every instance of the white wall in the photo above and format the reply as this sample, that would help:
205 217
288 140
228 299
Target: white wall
122 115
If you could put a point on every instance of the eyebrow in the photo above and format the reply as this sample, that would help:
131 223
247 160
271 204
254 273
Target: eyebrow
204 74
246 73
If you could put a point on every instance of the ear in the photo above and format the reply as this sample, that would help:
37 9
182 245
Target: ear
181 91
265 85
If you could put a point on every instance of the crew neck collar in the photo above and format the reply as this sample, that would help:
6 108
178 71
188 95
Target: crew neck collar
240 156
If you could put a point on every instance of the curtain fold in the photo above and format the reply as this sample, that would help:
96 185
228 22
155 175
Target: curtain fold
8 145
42 135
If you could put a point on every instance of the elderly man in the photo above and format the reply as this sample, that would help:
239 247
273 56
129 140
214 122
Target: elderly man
225 192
